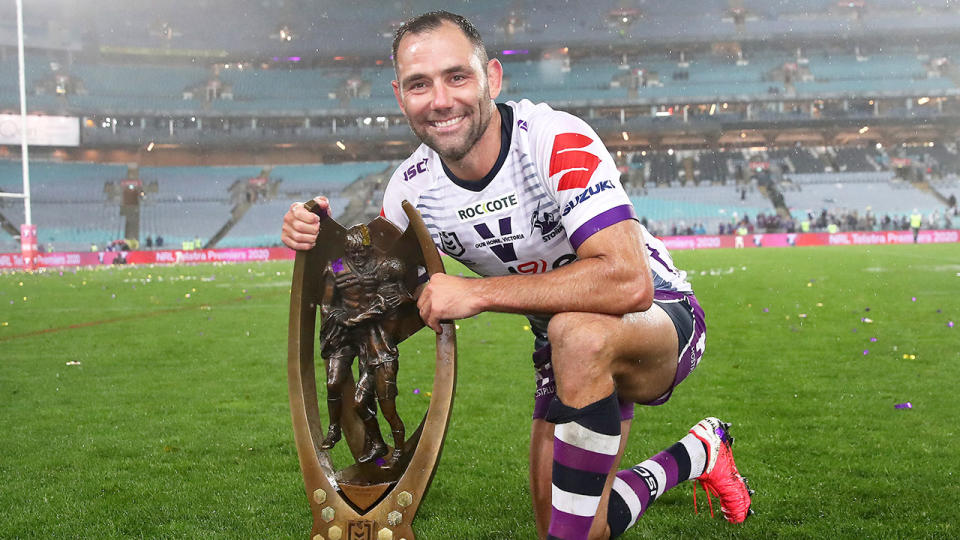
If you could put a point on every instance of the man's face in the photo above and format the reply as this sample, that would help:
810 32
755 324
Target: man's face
443 90
356 253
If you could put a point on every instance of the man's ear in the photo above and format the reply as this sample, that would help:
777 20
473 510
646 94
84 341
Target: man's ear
494 77
396 92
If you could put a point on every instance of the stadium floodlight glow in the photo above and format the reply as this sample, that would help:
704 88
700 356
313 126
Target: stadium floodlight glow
923 101
150 147
626 136
713 109
864 129
341 146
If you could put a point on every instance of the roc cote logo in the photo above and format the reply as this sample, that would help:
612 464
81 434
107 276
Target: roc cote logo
577 165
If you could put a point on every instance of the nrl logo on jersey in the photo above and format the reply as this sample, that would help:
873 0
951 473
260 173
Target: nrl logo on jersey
497 205
547 221
450 244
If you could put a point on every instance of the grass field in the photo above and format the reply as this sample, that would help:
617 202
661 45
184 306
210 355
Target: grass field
175 423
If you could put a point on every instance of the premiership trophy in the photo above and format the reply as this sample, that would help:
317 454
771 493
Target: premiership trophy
362 280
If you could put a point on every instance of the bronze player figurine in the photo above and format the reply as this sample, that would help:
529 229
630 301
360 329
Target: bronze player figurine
364 501
362 291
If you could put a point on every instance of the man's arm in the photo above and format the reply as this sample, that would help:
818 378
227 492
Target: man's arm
611 276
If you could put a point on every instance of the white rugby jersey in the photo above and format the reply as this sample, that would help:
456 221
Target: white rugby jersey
553 186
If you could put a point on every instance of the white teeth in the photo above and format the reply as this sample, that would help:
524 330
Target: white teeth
446 123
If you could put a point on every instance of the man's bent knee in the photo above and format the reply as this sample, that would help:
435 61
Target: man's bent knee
582 352
578 335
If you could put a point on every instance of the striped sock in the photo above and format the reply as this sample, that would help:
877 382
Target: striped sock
636 488
585 446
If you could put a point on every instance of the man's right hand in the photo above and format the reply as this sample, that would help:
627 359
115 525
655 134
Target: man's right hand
300 226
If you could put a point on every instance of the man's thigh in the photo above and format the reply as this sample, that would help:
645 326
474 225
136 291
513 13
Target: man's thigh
643 351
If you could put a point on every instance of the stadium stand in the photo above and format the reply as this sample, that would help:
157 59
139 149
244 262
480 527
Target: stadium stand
693 102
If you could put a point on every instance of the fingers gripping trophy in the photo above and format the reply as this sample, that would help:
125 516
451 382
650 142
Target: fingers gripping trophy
362 280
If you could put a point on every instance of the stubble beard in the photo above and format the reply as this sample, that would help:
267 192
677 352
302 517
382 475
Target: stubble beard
457 151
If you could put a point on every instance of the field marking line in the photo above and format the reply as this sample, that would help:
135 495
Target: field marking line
135 316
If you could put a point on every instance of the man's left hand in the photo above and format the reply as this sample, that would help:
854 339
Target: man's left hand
446 298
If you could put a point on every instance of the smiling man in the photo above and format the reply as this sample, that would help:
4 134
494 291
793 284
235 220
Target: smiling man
530 199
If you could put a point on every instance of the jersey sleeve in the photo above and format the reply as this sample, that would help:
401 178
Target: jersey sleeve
393 196
580 173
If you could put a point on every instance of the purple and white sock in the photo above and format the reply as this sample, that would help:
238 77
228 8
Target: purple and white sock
585 446
636 488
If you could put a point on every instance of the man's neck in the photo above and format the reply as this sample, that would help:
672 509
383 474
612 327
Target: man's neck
481 159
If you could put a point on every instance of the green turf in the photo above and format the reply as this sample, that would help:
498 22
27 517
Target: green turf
176 424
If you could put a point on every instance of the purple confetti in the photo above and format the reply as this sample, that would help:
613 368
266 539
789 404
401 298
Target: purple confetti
416 390
950 324
381 462
766 310
873 340
913 298
906 405
866 352
337 266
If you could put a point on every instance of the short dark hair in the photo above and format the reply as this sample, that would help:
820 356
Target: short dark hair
433 20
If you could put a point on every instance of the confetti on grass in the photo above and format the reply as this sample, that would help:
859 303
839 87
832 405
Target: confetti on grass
906 405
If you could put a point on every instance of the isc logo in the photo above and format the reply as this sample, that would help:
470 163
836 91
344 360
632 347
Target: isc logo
418 167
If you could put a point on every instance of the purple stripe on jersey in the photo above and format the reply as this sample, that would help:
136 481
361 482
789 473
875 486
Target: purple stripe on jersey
581 459
601 221
654 254
564 525
636 484
670 469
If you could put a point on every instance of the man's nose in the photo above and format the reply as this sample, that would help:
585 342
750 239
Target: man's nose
441 97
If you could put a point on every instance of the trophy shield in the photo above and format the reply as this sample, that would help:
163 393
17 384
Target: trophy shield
362 280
